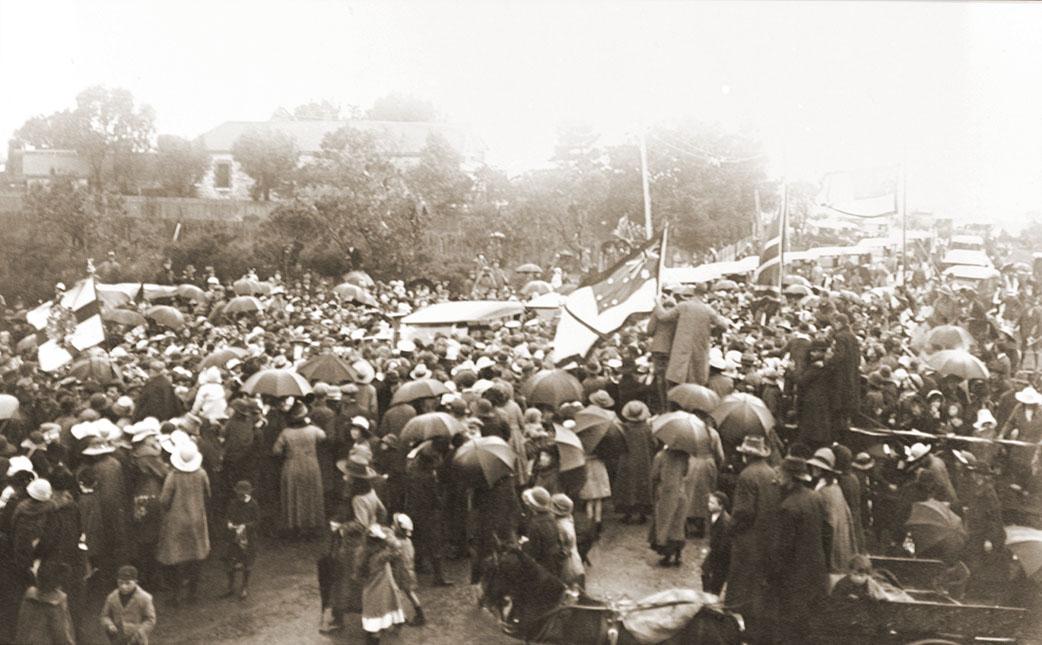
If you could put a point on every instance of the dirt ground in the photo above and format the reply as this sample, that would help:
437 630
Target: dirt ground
283 606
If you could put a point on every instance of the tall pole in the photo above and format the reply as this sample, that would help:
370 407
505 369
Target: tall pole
902 209
648 232
783 226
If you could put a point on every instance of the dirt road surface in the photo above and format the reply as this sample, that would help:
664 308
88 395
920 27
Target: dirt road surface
283 606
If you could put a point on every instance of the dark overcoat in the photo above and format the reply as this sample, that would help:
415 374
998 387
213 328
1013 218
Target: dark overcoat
846 363
753 514
631 490
799 566
813 404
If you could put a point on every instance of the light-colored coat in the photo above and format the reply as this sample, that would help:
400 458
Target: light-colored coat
689 356
183 532
135 621
302 502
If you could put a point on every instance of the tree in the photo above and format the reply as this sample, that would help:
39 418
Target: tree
401 107
180 164
351 195
106 129
269 157
438 179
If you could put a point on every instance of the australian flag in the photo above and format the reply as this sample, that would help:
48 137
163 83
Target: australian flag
603 303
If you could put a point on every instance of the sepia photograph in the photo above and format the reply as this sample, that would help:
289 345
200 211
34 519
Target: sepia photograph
483 322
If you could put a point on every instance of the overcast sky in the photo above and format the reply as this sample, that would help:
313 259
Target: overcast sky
953 90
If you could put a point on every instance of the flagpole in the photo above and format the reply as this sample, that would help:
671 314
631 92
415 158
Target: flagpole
648 231
782 234
661 262
903 213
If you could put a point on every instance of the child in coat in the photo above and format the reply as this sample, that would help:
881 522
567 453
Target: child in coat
405 566
381 606
129 614
242 517
718 559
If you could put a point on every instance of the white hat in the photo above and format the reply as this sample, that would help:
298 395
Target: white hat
85 429
406 346
98 446
467 365
360 422
483 362
107 430
173 441
917 451
1029 396
984 416
403 521
377 532
421 371
480 386
187 457
512 324
19 464
364 371
40 490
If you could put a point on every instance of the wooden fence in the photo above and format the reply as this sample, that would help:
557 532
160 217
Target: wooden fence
176 209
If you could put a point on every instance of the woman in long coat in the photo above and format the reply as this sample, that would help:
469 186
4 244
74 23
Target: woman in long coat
303 507
670 471
184 537
147 472
632 490
705 465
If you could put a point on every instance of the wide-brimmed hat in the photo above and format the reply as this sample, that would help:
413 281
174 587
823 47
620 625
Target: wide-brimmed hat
917 451
561 505
823 458
717 360
246 406
356 467
364 372
187 457
984 417
1029 396
360 422
243 487
483 362
123 406
863 461
754 445
797 468
19 464
40 490
297 413
98 446
636 411
602 399
421 371
537 498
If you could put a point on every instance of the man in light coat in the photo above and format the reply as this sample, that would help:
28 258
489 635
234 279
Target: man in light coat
129 614
661 331
689 354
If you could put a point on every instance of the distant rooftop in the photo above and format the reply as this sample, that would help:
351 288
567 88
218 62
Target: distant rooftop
407 139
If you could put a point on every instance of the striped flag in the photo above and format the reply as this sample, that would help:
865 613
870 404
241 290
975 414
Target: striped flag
73 324
772 253
865 193
603 303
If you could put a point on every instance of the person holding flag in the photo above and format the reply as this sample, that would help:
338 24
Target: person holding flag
695 320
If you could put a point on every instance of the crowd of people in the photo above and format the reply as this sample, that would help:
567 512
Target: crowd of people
155 452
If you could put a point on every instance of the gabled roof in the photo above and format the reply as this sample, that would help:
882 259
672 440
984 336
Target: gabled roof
406 139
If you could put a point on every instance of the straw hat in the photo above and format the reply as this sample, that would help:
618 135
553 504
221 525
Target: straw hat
917 451
561 505
602 399
40 490
98 446
537 498
797 468
1029 396
863 461
364 372
421 371
754 445
19 464
356 467
187 457
636 411
984 417
823 458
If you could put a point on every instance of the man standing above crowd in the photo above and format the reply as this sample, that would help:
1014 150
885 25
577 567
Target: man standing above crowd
661 329
845 365
689 354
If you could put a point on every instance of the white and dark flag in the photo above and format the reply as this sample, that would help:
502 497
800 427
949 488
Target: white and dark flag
73 324
772 252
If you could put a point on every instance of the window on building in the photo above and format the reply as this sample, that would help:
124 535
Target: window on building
222 175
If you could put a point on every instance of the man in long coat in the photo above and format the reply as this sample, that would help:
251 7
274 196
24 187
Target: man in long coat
799 571
661 331
157 397
689 355
753 521
845 363
814 398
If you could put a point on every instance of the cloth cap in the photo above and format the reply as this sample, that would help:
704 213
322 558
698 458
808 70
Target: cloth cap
127 572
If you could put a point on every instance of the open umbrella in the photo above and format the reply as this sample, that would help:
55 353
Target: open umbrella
592 424
246 287
353 293
795 279
682 431
326 367
220 357
165 316
243 304
724 285
528 267
98 369
552 388
264 288
360 279
694 398
570 451
191 292
8 407
948 337
935 528
275 382
1026 543
797 290
428 426
957 362
486 459
123 317
424 388
536 288
740 414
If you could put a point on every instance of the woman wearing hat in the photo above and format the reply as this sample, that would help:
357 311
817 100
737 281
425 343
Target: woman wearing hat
837 512
184 536
631 494
572 571
146 474
670 474
303 507
111 550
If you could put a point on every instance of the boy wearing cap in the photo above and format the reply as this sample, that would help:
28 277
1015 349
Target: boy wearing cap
129 614
241 518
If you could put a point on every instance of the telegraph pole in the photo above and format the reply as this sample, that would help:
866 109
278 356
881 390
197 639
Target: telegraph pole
648 230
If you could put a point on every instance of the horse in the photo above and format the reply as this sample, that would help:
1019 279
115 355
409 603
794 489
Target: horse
540 611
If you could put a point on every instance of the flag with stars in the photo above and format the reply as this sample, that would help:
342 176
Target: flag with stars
602 304
73 324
